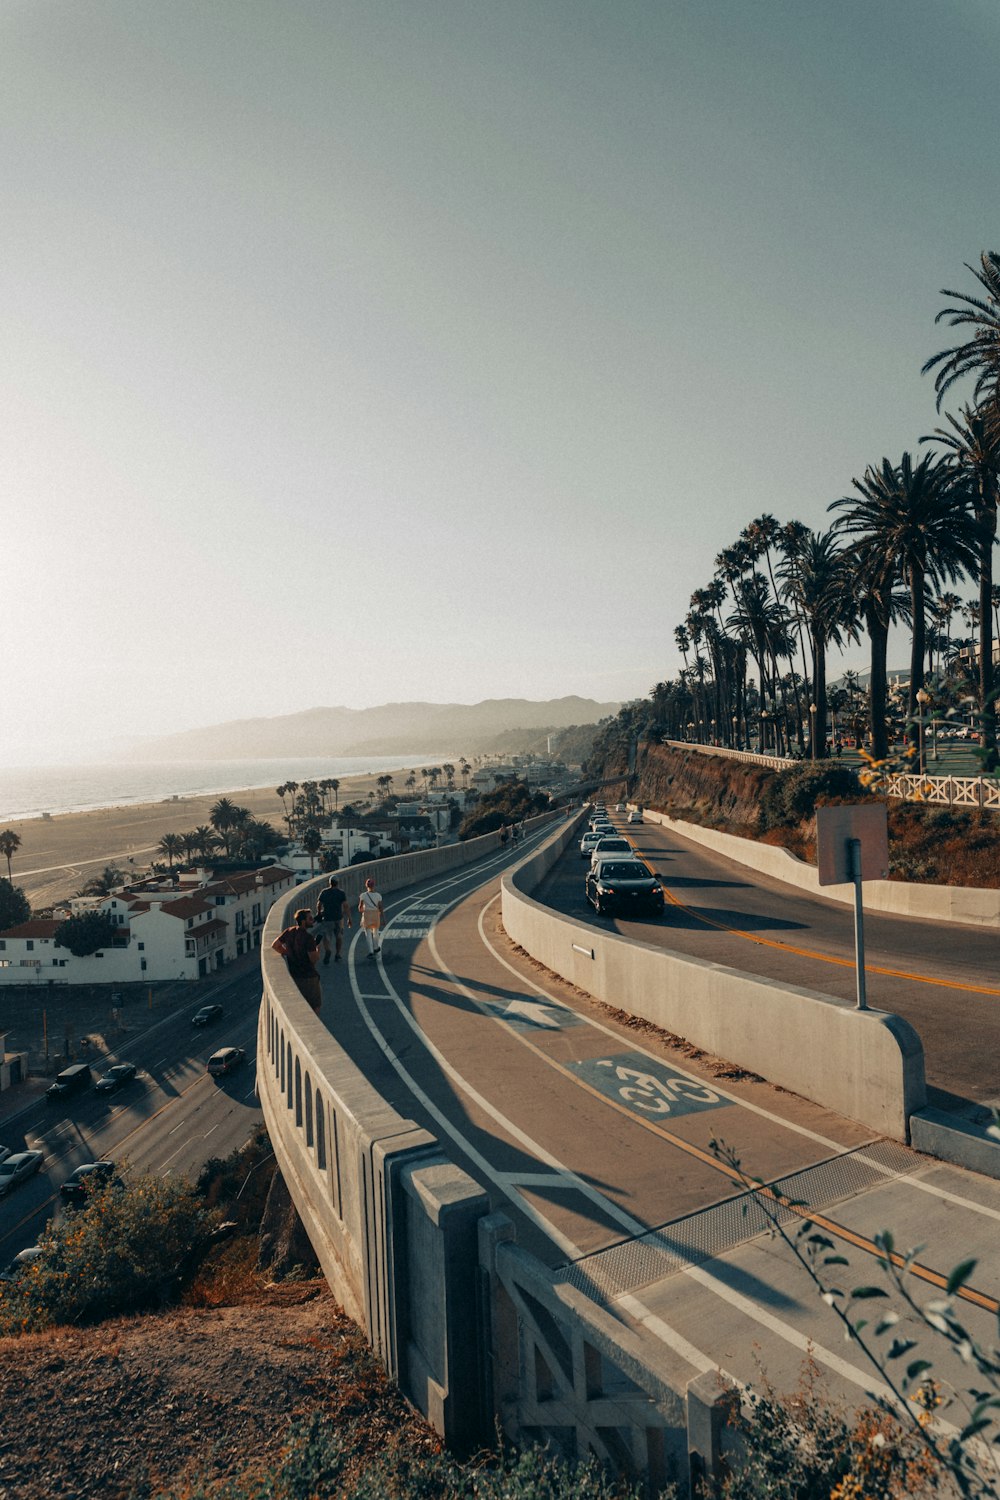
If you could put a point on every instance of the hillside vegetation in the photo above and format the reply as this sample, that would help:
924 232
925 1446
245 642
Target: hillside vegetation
936 845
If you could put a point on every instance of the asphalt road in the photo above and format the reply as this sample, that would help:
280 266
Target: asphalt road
171 1119
943 979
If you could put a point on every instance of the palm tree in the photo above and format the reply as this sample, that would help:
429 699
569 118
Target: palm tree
979 357
923 527
411 781
449 772
312 842
334 786
205 841
816 579
189 843
10 842
464 768
972 451
171 845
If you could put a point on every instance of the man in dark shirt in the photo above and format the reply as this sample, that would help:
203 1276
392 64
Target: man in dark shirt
331 909
299 946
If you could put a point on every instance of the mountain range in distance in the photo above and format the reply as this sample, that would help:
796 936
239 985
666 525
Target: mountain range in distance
390 729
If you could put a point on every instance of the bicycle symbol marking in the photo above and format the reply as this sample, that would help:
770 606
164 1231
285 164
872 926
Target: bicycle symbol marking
659 1096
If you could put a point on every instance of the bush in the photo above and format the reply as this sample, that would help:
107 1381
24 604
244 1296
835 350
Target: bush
322 1459
85 933
791 797
509 803
124 1251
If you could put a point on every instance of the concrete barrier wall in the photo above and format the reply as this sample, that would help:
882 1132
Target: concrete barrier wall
931 903
868 1065
390 1217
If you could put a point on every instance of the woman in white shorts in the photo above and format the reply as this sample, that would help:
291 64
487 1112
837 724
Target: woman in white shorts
370 911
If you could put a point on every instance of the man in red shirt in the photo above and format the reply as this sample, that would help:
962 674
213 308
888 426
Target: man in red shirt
299 947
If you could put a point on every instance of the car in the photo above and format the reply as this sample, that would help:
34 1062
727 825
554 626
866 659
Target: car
225 1060
116 1078
620 807
22 1260
611 844
624 885
4 1152
18 1168
87 1177
72 1080
588 844
635 816
206 1015
601 825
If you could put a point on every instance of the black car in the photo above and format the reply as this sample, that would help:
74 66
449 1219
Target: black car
624 886
72 1080
206 1015
93 1174
116 1078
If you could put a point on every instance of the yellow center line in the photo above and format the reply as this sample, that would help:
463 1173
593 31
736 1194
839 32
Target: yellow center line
825 958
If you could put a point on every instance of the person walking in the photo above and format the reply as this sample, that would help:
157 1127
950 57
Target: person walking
299 947
370 908
331 911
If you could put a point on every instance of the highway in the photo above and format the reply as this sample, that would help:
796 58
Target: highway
171 1119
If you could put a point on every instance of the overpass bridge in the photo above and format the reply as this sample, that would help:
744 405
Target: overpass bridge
507 1169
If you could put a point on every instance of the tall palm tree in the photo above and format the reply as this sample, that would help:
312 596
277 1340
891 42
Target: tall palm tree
972 450
979 356
923 526
10 842
816 578
206 841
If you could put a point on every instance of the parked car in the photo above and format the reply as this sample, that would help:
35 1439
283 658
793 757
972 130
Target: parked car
206 1015
116 1078
18 1168
4 1152
624 885
225 1060
91 1175
72 1080
22 1260
635 816
612 845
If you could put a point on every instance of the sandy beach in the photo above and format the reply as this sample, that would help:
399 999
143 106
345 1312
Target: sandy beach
58 854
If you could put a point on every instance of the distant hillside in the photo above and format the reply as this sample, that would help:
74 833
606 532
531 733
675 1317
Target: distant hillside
393 728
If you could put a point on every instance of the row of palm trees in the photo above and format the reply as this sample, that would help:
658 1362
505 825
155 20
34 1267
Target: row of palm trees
230 828
783 595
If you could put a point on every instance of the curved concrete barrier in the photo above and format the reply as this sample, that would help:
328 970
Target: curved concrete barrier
930 903
868 1065
392 1219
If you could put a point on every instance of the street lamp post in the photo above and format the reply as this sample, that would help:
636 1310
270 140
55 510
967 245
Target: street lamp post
690 729
736 731
764 716
812 731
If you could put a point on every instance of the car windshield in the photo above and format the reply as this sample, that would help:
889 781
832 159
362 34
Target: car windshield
613 844
623 871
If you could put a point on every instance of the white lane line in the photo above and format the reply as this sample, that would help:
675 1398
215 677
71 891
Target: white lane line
180 1148
209 1132
161 1062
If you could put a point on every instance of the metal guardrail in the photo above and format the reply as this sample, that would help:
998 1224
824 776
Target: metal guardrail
950 791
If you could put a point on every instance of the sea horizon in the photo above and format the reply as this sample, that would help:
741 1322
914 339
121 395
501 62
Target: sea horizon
29 792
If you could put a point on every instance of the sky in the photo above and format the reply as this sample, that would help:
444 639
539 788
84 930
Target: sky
359 351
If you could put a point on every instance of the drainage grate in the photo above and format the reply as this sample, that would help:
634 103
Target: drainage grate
635 1263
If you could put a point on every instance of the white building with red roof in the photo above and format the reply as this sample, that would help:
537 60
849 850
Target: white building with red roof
177 928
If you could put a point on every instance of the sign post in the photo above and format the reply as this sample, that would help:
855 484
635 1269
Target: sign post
852 844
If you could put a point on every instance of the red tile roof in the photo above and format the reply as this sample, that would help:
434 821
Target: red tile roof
36 927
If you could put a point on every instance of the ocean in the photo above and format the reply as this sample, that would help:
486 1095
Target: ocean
31 791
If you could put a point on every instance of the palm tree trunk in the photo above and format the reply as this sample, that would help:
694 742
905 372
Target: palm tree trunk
988 522
879 684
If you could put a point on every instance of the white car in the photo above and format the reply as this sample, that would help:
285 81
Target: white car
635 816
612 846
587 843
17 1168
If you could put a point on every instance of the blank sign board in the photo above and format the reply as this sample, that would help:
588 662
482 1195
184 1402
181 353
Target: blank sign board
836 827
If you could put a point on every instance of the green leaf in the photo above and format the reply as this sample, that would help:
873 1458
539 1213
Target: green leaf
917 1368
960 1276
861 1292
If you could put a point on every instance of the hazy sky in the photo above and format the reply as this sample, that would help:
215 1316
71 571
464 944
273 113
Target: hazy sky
361 350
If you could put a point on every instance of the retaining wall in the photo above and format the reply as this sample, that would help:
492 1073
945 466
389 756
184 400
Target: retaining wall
930 903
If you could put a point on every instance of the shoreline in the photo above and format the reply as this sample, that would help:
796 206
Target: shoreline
59 853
